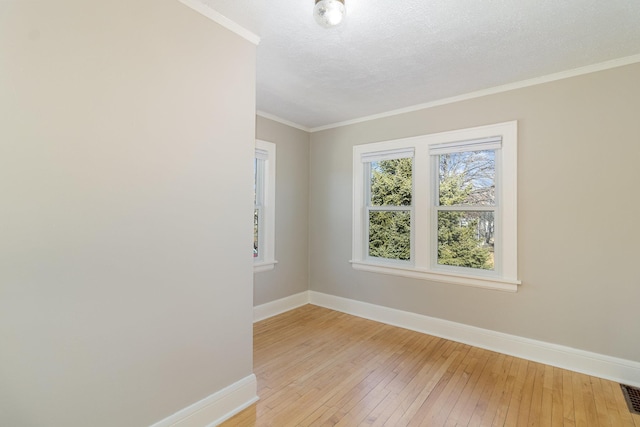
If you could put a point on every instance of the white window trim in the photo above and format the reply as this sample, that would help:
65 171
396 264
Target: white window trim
422 265
267 151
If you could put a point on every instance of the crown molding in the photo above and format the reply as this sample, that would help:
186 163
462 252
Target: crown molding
222 20
281 120
615 63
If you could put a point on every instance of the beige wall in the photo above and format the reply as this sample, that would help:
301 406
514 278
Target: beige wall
578 224
126 144
290 275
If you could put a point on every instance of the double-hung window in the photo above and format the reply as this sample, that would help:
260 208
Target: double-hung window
264 169
464 204
439 207
388 208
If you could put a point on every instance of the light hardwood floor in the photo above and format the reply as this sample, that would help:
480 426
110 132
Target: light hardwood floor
318 367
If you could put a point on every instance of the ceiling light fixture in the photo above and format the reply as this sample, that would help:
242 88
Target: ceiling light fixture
329 13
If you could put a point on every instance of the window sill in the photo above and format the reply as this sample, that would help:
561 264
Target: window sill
260 266
458 279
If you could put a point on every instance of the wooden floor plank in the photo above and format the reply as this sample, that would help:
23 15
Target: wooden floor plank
318 367
499 393
582 419
589 401
503 405
513 413
436 409
546 409
614 399
601 403
627 417
535 413
486 392
557 409
436 378
527 395
424 380
567 402
466 401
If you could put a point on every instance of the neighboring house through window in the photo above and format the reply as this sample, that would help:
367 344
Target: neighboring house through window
439 207
264 169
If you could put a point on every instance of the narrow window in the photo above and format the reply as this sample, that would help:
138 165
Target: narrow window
389 209
388 194
264 168
465 204
258 197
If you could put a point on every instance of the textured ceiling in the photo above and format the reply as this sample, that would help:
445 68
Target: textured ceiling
389 55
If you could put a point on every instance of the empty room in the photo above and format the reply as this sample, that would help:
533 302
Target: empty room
422 183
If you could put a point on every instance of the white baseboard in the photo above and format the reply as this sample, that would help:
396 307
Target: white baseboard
264 311
218 407
598 365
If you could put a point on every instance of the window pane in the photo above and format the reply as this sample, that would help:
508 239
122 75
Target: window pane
465 239
467 178
258 183
255 181
391 182
390 234
256 221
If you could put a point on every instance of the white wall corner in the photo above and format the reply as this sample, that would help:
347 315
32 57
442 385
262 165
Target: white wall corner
270 309
218 407
594 364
